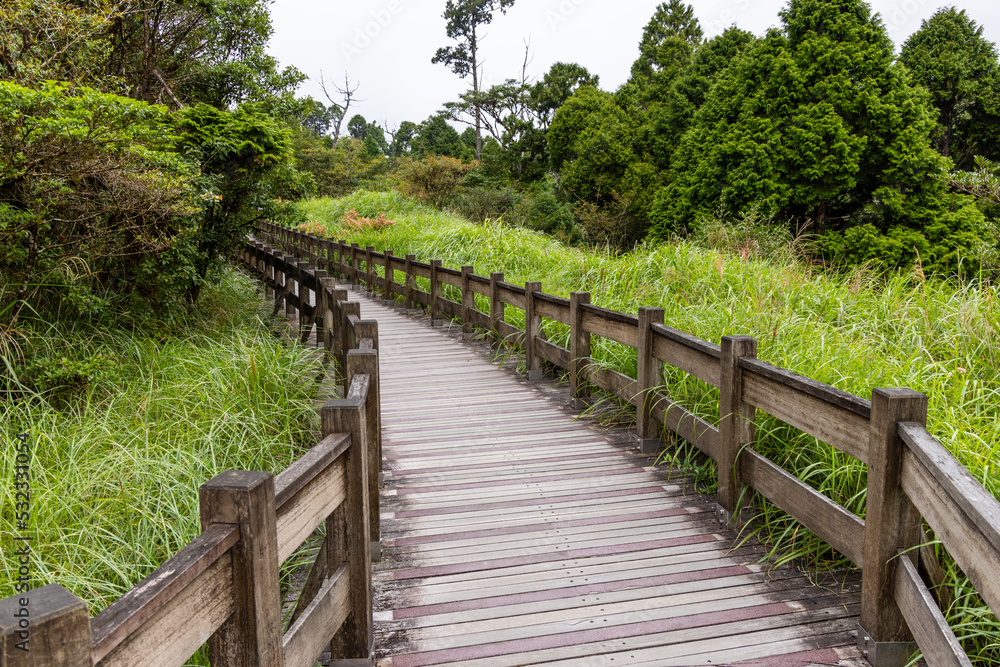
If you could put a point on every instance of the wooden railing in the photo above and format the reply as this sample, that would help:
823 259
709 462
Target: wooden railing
910 474
223 587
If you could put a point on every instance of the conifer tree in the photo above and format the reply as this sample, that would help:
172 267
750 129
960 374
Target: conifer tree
950 57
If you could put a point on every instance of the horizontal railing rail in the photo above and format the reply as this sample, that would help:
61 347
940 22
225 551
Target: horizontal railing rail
909 477
223 587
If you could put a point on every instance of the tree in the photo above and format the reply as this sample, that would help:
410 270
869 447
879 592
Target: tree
950 57
436 137
465 17
668 41
181 53
557 86
402 141
357 127
590 142
817 124
661 132
342 103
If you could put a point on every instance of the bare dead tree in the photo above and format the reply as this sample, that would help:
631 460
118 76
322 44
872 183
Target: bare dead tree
343 103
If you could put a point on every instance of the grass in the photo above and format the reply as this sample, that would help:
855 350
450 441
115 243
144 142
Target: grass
119 454
857 332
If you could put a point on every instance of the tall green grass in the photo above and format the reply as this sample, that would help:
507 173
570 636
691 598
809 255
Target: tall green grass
119 455
857 332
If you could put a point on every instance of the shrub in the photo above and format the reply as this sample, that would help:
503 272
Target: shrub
434 179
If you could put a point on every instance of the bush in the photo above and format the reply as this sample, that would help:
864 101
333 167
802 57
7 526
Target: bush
435 179
483 202
90 193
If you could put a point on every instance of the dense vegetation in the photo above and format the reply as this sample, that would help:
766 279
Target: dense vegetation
858 332
126 424
141 139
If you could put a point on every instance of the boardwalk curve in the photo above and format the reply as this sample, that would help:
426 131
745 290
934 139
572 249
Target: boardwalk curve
514 534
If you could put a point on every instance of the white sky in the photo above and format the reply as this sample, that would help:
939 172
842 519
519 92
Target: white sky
387 45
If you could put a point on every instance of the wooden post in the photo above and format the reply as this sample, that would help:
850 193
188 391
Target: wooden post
347 340
437 312
891 523
44 627
468 301
348 531
408 280
354 265
252 635
302 292
736 425
649 375
365 362
291 287
532 324
579 352
498 309
369 271
389 283
320 307
329 307
338 297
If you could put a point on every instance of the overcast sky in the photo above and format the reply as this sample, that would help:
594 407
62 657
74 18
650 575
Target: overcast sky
387 45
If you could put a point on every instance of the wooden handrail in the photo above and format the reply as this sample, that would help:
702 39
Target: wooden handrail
962 513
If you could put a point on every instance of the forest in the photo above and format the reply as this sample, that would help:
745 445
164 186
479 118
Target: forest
812 185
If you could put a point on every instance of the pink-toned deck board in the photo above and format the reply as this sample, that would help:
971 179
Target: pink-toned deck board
516 534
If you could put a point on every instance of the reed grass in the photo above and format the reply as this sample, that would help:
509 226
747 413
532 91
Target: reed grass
119 458
857 332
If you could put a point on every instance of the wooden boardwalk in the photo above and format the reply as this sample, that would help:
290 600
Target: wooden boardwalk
514 534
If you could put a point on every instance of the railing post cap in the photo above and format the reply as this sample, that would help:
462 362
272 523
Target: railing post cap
237 479
898 393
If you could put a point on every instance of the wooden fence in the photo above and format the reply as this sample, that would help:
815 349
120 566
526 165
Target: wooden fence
223 588
910 474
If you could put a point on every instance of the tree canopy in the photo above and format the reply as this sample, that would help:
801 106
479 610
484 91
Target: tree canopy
952 60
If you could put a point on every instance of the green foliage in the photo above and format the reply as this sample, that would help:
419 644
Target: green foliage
90 194
435 179
126 423
436 137
247 167
668 41
590 141
855 332
557 86
950 57
814 124
53 40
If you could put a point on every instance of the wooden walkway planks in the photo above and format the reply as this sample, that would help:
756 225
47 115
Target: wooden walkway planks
513 534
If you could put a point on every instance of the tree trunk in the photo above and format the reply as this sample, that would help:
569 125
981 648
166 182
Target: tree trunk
475 87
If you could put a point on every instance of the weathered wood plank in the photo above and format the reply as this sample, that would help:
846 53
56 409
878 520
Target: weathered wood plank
311 633
611 324
692 355
977 554
300 514
179 628
552 307
925 620
553 354
686 424
138 605
613 382
828 421
511 294
308 466
838 527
